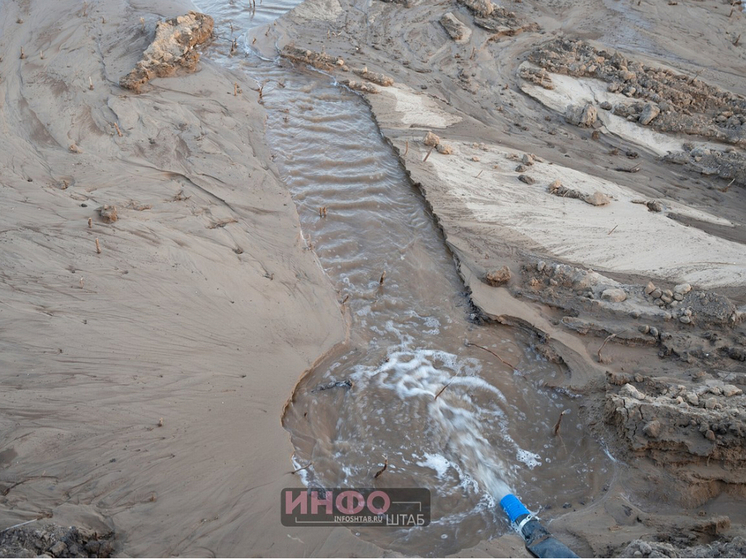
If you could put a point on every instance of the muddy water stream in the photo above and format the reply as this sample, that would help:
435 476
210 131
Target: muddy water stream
490 430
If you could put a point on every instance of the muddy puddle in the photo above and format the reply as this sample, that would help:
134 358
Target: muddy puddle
410 388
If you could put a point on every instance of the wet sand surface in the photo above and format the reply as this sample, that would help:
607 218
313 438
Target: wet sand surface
212 295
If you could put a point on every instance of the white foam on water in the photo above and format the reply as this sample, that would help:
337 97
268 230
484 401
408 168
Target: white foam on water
529 458
436 462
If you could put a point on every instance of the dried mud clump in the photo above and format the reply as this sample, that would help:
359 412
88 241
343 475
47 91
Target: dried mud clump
319 60
502 22
728 165
730 547
360 86
538 76
378 79
684 426
108 213
669 102
54 541
171 50
481 8
455 29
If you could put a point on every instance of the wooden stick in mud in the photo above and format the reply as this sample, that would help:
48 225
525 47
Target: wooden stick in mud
406 148
493 353
613 229
634 169
302 468
119 132
90 223
90 83
98 247
729 185
428 154
383 277
606 341
23 54
559 422
735 43
385 465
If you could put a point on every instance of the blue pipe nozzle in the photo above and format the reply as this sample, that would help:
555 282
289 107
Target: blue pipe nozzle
513 507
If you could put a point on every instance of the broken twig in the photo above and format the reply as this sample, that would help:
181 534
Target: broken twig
606 341
385 465
493 353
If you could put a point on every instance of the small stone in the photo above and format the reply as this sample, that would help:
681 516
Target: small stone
692 398
668 292
499 277
654 331
541 266
710 403
605 105
666 298
58 549
650 111
730 390
108 213
614 294
475 158
629 391
444 149
597 199
649 288
455 28
652 429
527 159
521 169
581 115
685 319
710 435
682 288
431 139
654 206
644 329
656 294
527 179
678 297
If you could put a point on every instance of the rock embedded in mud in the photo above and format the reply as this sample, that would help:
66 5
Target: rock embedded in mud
597 199
649 288
630 391
108 213
455 28
360 86
171 50
444 149
431 139
682 288
614 295
652 429
538 76
654 206
482 8
526 179
319 60
375 77
496 278
581 115
650 111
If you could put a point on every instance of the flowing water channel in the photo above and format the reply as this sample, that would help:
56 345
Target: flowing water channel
382 397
